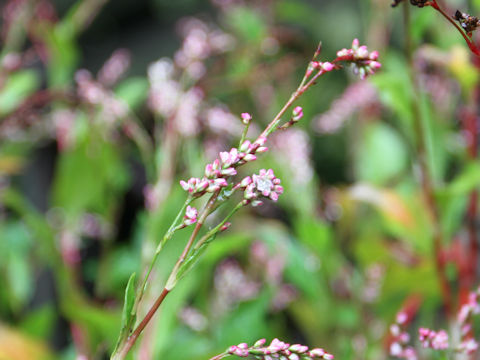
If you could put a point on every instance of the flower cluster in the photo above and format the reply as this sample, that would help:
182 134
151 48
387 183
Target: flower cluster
363 62
468 344
200 41
437 340
220 169
278 350
92 92
265 184
399 347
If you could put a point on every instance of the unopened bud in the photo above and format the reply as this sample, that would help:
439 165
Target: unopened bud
260 342
246 118
225 226
326 66
297 113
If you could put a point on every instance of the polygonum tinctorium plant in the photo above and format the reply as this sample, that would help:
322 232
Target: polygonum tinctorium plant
220 183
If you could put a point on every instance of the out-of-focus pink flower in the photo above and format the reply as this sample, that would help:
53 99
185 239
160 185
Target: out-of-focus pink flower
187 112
433 339
114 68
293 149
357 96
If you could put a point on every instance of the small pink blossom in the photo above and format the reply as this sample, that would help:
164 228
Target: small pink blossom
246 118
297 113
326 66
190 216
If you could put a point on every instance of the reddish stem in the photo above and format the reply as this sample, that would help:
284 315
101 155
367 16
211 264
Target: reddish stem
473 48
425 177
138 330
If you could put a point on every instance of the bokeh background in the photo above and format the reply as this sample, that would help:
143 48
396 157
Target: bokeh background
106 105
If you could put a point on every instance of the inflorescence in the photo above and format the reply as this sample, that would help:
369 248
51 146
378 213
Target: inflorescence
363 62
278 350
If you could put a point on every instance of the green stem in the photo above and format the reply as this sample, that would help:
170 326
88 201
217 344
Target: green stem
244 134
172 280
299 92
168 235
217 228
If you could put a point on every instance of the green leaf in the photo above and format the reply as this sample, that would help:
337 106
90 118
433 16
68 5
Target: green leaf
247 23
381 155
468 180
90 176
18 86
133 91
128 314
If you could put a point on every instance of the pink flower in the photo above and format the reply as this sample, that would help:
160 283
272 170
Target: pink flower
297 113
190 216
265 184
246 118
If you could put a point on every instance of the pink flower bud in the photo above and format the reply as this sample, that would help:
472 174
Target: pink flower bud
260 342
246 181
262 140
326 66
184 185
245 146
246 118
249 157
225 226
298 348
229 172
297 113
317 352
209 171
373 55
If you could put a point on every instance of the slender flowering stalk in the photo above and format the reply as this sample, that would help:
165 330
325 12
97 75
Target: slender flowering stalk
276 350
467 22
218 180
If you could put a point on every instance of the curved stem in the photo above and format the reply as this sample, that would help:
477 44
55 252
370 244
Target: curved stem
299 92
425 176
469 41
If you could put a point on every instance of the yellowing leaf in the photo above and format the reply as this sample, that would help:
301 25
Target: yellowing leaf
17 346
